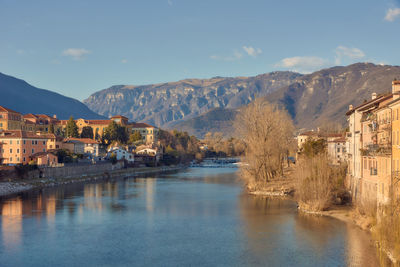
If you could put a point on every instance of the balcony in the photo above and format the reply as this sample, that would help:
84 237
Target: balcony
375 150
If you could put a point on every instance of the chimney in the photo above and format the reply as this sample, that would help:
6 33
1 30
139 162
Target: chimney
350 107
395 86
395 89
373 96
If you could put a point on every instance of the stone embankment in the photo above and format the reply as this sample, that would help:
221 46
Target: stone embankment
14 187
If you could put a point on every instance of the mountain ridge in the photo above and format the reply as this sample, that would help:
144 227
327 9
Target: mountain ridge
20 96
168 103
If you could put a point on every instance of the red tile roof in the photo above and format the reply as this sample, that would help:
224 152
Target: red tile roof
4 109
140 125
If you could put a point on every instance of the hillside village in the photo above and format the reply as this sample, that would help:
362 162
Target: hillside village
38 139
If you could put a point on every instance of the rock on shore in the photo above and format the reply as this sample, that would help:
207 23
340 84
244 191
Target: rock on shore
8 188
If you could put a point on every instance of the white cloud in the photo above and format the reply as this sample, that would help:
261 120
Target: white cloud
123 61
352 54
170 2
392 14
236 56
303 64
251 51
76 53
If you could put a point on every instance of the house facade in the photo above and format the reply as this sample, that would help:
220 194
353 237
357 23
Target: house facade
17 146
373 146
10 119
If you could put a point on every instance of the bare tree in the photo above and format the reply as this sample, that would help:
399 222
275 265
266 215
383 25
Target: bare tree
267 132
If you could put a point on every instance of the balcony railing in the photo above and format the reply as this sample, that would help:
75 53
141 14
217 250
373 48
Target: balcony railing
375 149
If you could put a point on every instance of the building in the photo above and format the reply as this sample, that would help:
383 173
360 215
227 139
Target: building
10 119
84 146
337 150
316 135
373 148
304 136
39 122
120 154
17 145
148 132
47 158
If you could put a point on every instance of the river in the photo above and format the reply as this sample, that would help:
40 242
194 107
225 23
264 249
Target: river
197 217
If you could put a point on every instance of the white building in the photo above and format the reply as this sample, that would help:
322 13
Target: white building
337 150
85 146
121 154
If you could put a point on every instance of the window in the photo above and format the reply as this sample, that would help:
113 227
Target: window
10 150
44 150
17 159
33 150
33 142
24 159
10 159
17 142
10 142
24 151
44 142
17 150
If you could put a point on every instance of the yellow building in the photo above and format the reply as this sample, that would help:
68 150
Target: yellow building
149 133
395 108
10 119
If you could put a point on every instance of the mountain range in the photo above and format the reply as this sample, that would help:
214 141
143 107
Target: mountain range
20 96
166 104
201 105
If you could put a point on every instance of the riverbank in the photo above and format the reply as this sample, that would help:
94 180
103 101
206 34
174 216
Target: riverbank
15 187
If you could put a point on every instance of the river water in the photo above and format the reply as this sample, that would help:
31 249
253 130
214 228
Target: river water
197 217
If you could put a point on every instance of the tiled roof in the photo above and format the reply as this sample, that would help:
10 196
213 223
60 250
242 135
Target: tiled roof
25 134
140 125
38 154
372 101
309 133
119 116
4 109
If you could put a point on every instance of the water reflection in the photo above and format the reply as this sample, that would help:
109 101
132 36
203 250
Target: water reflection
200 217
11 223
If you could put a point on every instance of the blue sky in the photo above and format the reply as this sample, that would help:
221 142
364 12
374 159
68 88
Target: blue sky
79 47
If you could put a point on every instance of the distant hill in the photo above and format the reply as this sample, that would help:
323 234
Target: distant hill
166 104
20 96
317 99
215 120
324 96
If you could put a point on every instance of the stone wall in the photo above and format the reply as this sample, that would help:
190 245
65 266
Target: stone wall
80 170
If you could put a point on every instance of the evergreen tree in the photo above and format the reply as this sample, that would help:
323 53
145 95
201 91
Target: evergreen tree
135 137
87 132
72 128
114 132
